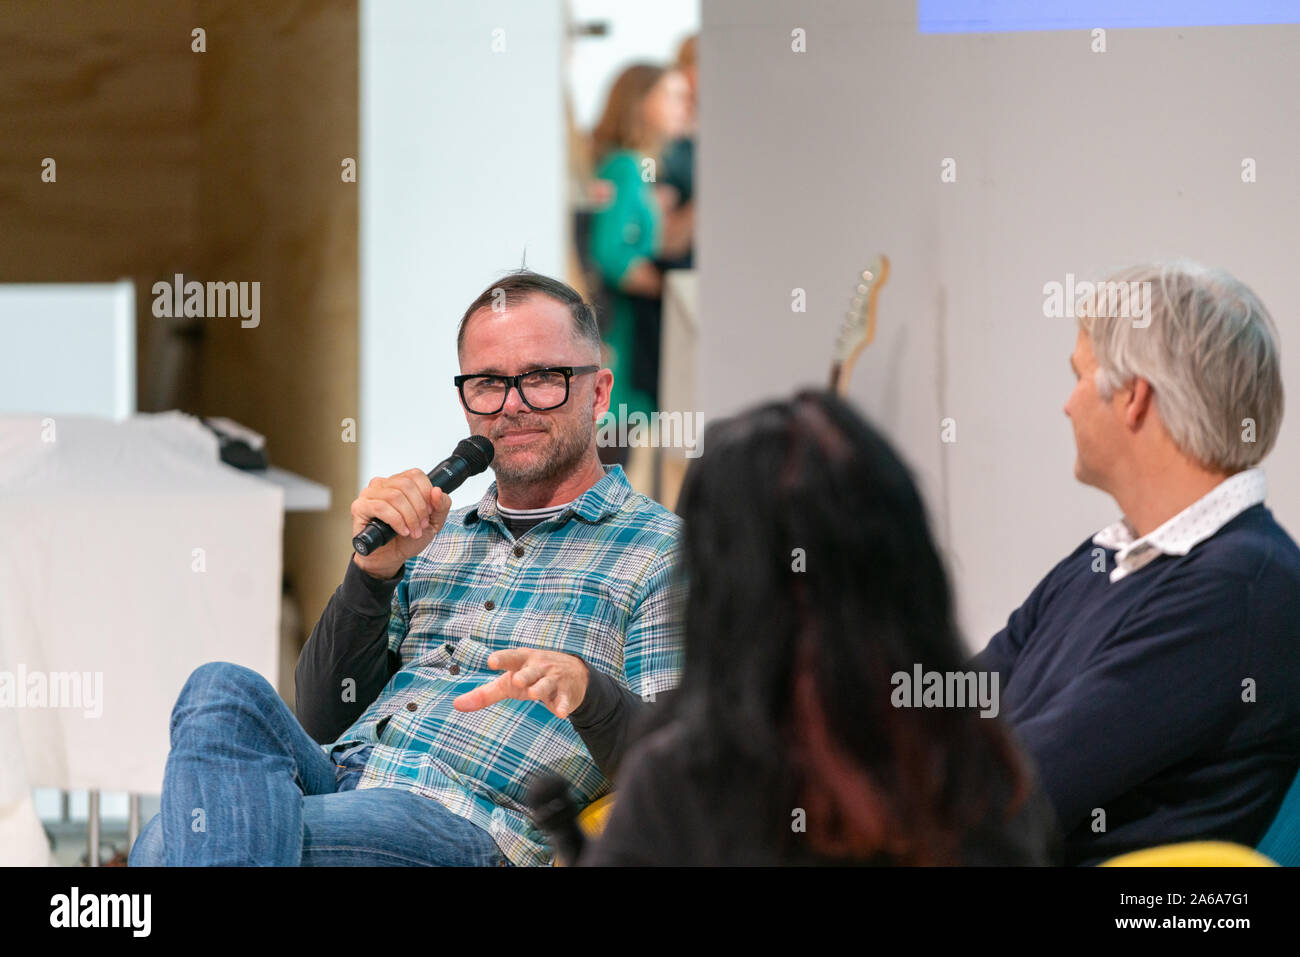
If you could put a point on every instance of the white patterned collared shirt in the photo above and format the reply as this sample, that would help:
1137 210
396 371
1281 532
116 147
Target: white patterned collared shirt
1192 525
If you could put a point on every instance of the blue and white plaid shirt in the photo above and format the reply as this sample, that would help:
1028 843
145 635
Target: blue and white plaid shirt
599 580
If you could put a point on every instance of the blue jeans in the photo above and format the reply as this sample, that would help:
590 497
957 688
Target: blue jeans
246 785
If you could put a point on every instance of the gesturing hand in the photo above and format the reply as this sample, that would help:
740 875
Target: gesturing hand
556 679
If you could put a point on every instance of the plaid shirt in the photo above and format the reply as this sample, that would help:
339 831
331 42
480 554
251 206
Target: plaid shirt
598 581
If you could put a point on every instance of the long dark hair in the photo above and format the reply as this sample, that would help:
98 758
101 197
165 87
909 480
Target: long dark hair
812 579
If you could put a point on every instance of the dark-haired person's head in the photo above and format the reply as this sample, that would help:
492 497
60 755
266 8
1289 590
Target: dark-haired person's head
813 579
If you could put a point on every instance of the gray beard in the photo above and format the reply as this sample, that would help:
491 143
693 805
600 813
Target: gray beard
569 450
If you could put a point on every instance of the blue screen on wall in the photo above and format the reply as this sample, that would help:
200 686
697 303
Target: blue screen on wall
996 16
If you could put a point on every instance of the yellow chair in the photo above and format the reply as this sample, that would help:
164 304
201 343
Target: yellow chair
592 819
1193 854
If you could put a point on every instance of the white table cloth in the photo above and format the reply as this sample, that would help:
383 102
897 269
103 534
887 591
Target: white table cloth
129 555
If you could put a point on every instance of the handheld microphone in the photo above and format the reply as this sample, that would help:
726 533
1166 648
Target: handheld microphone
556 814
472 456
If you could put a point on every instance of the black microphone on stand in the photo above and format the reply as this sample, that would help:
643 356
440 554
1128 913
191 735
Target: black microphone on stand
472 456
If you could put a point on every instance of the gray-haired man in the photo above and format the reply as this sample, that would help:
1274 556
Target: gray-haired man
1154 673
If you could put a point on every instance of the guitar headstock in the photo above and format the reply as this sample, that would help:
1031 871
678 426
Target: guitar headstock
858 327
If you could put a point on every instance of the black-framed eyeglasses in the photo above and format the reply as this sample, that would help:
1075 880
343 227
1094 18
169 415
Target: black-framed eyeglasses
541 389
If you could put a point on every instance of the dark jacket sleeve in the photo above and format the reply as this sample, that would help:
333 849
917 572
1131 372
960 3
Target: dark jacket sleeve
349 643
644 829
1003 650
606 719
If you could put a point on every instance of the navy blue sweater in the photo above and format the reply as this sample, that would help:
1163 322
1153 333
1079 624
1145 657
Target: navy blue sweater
1133 696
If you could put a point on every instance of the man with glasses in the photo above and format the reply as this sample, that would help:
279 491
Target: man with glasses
560 555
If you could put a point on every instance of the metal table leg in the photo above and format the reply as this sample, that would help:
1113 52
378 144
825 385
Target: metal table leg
132 820
92 829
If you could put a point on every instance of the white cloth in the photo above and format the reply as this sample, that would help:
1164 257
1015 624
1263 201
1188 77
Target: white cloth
22 839
129 555
1192 525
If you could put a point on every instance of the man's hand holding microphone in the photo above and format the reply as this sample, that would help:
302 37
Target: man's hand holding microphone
410 505
394 518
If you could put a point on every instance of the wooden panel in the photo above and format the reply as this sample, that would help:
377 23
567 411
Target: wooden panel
222 165
112 99
277 114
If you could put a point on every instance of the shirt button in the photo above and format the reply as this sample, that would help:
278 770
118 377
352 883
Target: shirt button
489 604
454 669
411 706
519 550
450 648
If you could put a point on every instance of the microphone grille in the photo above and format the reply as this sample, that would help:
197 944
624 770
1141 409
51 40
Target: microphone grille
478 451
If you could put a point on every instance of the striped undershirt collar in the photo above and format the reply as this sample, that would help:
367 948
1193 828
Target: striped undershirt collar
550 511
603 500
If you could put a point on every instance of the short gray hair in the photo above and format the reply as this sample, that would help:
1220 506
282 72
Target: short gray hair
1209 349
515 287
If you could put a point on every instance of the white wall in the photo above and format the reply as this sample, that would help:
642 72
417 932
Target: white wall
461 168
1068 161
69 348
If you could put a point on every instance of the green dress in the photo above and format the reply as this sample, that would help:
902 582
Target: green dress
627 230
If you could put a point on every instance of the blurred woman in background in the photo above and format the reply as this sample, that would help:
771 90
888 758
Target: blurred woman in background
678 167
812 580
641 225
